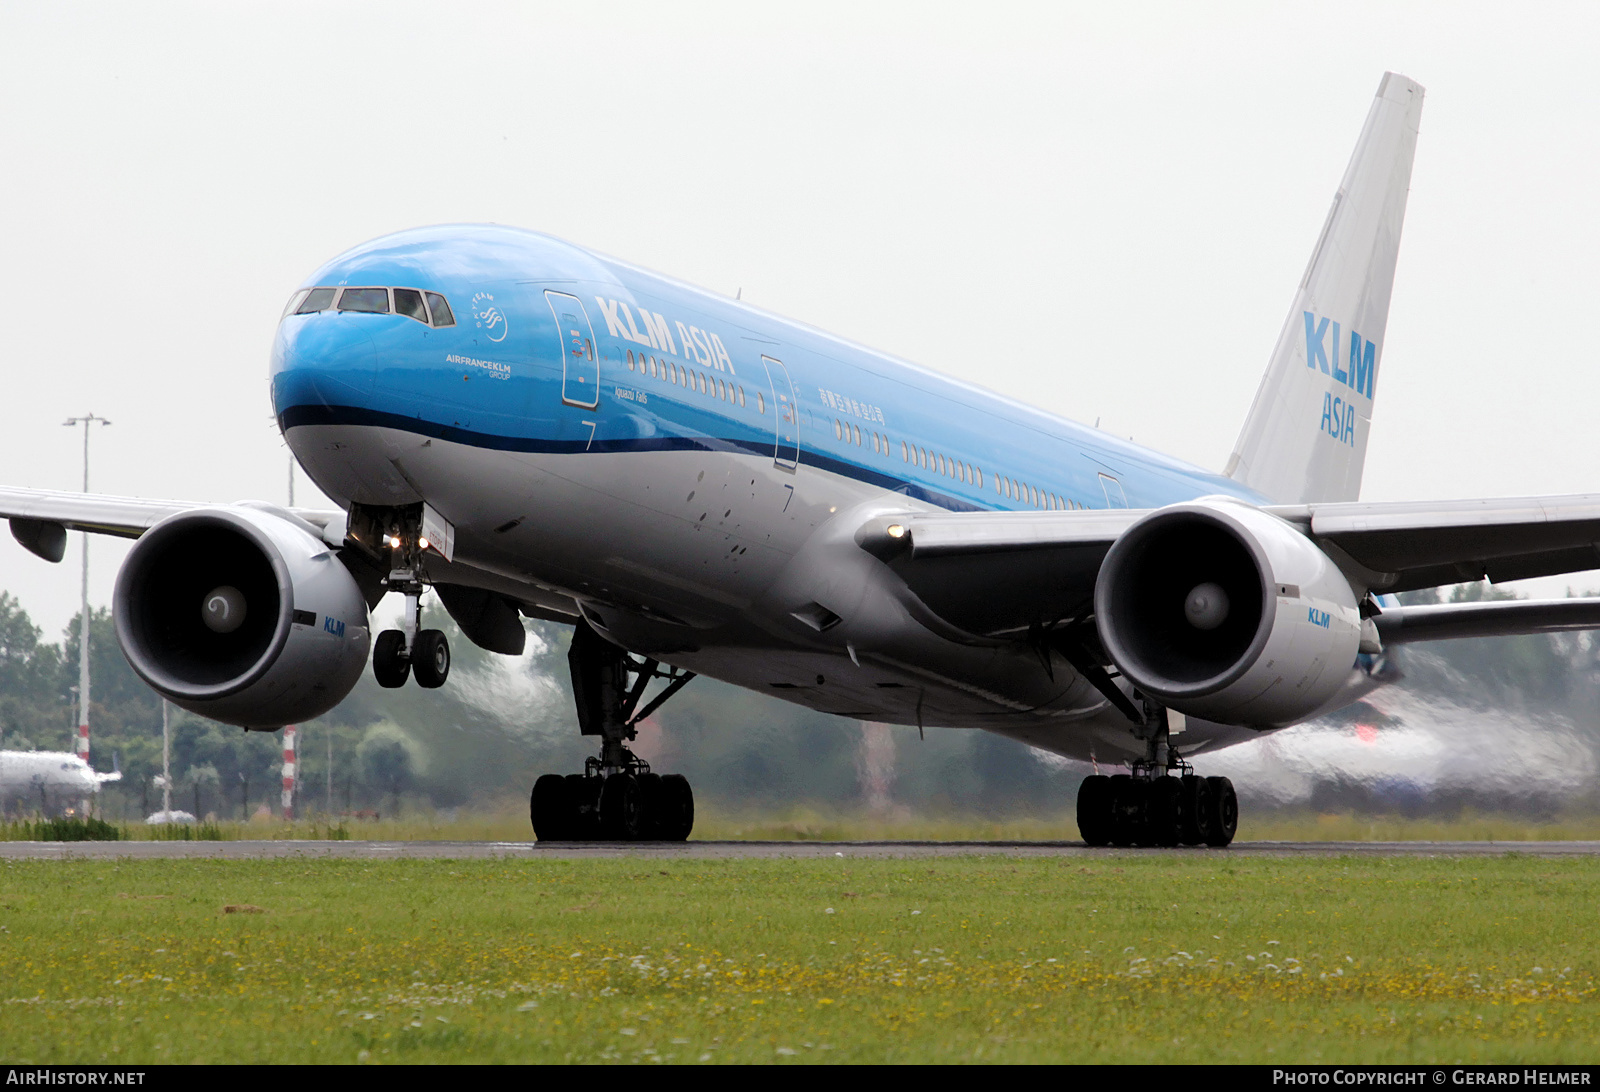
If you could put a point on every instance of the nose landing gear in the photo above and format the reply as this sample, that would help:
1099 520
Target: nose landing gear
617 797
400 653
1149 807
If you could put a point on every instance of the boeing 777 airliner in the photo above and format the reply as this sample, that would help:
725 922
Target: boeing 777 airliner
529 428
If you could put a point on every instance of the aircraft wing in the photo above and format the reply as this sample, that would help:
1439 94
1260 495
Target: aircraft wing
998 574
1422 544
40 518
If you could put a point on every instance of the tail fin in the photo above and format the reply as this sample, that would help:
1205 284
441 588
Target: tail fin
1306 436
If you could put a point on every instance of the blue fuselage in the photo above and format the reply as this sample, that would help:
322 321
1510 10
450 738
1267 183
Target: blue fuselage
506 378
671 463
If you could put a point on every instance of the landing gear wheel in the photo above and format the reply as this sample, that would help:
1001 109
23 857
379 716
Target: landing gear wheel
430 658
621 816
651 801
583 806
677 812
1224 811
1127 810
1094 810
389 664
1194 816
1161 811
550 809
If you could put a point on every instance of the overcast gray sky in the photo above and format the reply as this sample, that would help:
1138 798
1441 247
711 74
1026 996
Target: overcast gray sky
1102 209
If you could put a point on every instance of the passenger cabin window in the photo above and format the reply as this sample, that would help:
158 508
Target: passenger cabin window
374 301
318 299
440 309
408 302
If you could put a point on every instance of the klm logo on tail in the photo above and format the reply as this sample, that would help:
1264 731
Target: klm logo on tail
1359 372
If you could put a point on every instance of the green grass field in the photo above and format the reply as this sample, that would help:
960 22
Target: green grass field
1131 957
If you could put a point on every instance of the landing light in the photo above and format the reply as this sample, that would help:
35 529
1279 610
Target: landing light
423 543
895 530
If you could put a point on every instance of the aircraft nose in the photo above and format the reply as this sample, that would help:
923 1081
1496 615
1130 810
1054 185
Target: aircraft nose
321 360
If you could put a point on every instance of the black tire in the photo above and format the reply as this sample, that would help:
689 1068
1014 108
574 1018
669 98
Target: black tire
1194 819
430 659
1161 811
1224 811
389 665
550 809
1127 810
1094 810
621 817
677 813
583 807
652 799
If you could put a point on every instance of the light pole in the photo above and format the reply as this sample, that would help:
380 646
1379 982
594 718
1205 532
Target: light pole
83 621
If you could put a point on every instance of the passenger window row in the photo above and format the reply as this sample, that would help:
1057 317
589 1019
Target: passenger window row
1034 496
852 434
941 464
428 308
958 469
667 371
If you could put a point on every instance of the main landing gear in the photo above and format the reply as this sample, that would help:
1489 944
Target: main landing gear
1149 807
410 650
617 797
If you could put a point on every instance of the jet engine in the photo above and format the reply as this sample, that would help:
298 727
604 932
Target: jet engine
241 614
1221 611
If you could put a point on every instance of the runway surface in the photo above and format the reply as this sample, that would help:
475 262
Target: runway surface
353 850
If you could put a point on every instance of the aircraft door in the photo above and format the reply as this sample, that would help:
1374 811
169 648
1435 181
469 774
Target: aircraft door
786 415
580 367
1115 497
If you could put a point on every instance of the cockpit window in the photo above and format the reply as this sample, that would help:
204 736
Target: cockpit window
441 310
318 299
370 300
408 302
373 301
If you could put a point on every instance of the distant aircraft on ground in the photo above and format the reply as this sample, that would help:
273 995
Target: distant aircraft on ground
49 781
698 486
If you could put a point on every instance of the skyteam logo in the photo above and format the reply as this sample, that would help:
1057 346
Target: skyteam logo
1356 368
488 317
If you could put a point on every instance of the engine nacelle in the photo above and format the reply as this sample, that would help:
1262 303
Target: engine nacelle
243 615
1221 611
